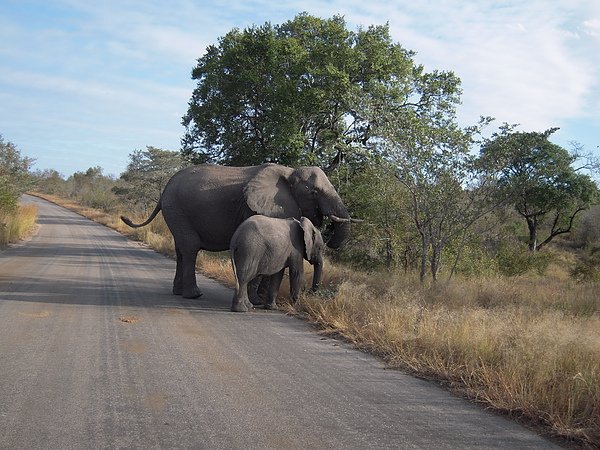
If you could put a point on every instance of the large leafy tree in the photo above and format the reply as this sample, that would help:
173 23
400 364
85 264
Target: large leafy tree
539 179
308 91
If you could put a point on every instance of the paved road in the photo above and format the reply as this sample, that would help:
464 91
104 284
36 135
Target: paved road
188 373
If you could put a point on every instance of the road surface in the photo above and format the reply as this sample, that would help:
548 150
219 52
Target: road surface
95 352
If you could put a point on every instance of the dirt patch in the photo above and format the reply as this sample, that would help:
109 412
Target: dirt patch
129 319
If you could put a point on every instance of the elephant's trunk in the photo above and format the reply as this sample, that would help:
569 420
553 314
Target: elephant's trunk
341 230
317 274
332 207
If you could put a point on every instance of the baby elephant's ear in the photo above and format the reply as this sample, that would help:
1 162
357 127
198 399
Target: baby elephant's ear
309 237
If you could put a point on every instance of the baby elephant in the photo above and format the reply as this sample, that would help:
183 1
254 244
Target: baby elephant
266 246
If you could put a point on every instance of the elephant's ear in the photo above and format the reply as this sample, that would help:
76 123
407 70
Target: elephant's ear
269 193
309 237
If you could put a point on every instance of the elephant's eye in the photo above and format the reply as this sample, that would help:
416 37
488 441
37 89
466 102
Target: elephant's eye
310 190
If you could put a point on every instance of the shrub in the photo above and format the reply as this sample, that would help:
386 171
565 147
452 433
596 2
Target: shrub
16 224
588 268
513 261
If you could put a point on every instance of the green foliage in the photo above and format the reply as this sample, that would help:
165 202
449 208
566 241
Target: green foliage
469 257
14 174
385 238
538 179
50 182
587 269
435 166
516 260
8 195
147 174
92 188
308 92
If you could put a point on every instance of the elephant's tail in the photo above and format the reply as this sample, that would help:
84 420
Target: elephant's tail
150 219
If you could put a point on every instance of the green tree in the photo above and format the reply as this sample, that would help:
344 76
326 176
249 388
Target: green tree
433 162
441 207
93 189
147 174
307 92
538 178
49 181
14 174
385 237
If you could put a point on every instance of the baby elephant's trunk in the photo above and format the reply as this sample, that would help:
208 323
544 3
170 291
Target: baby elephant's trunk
317 274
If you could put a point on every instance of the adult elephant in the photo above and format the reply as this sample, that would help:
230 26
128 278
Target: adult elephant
203 206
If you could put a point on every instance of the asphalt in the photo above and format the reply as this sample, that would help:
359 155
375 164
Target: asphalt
95 352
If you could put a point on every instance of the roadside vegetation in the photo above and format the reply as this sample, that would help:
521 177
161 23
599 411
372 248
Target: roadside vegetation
16 221
478 261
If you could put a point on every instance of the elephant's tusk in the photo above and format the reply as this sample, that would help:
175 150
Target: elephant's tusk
340 220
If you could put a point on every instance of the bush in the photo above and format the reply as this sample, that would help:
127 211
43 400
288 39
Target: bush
588 268
16 224
514 261
471 259
8 196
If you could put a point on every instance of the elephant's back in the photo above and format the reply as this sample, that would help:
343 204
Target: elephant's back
206 183
271 231
210 176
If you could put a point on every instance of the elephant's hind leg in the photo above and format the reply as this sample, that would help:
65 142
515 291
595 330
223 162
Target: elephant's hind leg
185 275
178 280
240 298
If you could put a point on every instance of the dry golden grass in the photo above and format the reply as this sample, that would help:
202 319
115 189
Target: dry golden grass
217 266
17 225
529 347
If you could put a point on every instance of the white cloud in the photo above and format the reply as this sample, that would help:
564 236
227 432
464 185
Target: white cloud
120 69
592 27
515 60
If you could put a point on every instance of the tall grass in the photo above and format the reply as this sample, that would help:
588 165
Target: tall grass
15 225
518 346
529 347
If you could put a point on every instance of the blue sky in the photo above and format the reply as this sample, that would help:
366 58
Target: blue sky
86 83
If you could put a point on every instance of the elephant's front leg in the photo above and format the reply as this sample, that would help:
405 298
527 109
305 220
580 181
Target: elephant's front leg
296 278
257 291
272 284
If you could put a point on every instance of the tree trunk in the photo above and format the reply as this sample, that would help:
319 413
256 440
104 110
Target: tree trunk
435 261
424 251
532 225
